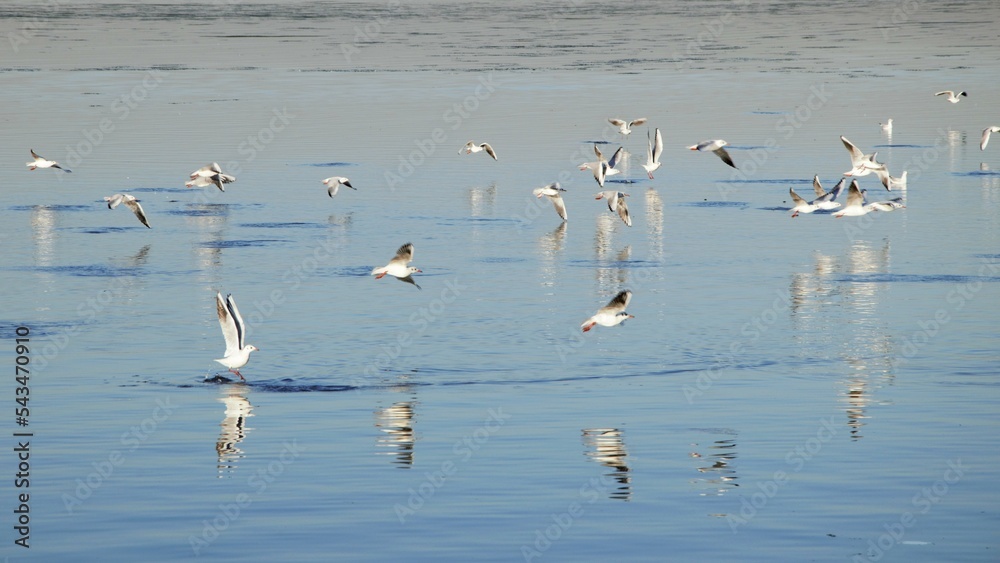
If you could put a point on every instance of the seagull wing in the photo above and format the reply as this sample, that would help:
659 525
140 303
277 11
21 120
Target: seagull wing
657 145
34 155
857 157
616 122
817 187
559 204
639 121
986 136
137 209
721 152
623 210
854 197
796 198
619 154
618 304
230 330
404 255
489 150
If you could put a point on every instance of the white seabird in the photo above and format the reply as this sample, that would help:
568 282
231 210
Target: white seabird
41 162
625 127
552 192
616 204
952 96
398 267
234 331
611 314
131 202
653 151
716 146
472 147
333 184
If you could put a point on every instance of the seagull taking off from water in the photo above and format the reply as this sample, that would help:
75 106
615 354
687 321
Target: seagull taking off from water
552 192
611 314
234 331
653 151
333 184
41 162
131 203
801 205
625 127
952 96
716 146
399 266
472 147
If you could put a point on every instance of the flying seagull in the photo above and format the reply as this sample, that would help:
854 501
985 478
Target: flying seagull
398 267
132 204
611 314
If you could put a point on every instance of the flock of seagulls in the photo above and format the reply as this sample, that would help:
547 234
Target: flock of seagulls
237 353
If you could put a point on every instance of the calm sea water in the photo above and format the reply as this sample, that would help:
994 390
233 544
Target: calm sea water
792 389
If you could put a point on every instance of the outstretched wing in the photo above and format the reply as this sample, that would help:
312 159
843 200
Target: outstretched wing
230 328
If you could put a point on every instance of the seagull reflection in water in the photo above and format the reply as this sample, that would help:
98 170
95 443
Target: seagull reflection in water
396 423
608 449
716 463
234 427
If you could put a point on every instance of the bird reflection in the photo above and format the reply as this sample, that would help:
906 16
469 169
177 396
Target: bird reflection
234 427
482 201
139 258
654 223
823 306
210 219
396 423
716 463
609 277
549 246
43 223
609 451
341 222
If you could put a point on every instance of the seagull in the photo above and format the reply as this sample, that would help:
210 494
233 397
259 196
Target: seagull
601 168
825 200
716 146
234 331
398 268
210 174
986 136
472 147
801 205
333 184
552 192
887 126
611 314
653 151
890 181
855 203
132 204
952 96
861 164
616 203
625 127
41 162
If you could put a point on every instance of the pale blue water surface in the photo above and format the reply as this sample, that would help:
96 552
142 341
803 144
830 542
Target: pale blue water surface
790 389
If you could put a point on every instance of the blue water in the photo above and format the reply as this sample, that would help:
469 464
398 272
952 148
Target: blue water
789 389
